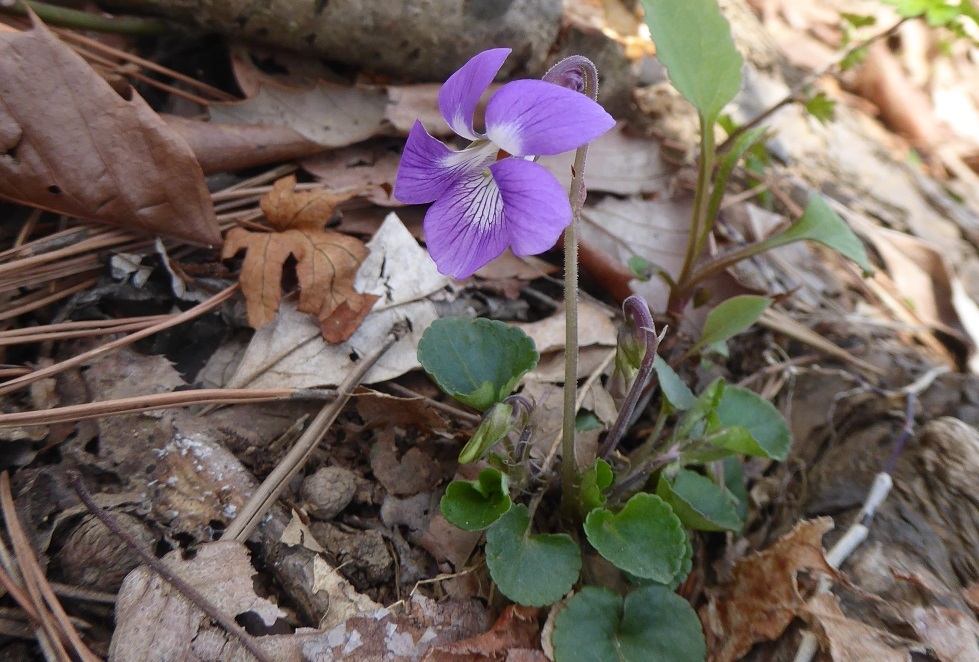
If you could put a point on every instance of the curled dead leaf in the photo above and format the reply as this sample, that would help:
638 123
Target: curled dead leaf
326 261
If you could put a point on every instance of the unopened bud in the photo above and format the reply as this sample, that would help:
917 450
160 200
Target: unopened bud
497 424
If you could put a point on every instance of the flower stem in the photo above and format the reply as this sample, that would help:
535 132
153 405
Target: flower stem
582 72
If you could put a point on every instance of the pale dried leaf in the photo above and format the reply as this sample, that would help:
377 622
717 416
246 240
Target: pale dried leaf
763 596
154 621
69 143
371 167
848 640
329 115
345 601
289 352
297 533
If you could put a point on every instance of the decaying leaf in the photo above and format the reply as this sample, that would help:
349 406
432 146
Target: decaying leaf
326 261
848 640
155 622
763 597
515 633
69 143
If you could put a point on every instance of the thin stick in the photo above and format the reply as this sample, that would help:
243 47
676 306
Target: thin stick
272 487
199 309
188 591
154 401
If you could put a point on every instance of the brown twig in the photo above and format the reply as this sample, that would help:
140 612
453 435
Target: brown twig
158 566
199 309
272 487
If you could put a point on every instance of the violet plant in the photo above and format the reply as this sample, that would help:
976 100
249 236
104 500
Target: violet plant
634 503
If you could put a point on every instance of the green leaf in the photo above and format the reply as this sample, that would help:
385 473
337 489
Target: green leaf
474 505
699 502
674 390
728 160
701 410
820 223
734 482
693 41
686 565
732 316
858 20
533 570
757 426
476 361
821 107
586 421
652 624
496 425
595 480
642 268
645 538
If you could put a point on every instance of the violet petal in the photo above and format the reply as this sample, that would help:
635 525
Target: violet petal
536 118
535 205
428 167
465 228
461 92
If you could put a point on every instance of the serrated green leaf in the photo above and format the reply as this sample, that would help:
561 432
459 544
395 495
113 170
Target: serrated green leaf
533 570
693 41
645 538
475 505
756 426
686 565
652 624
821 108
731 317
595 480
674 390
699 502
858 20
476 361
820 223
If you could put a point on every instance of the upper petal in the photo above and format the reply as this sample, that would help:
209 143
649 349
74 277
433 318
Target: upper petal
535 205
428 167
465 228
536 118
460 93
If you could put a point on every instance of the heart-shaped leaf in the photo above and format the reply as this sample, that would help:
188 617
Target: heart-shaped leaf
645 538
476 361
474 505
699 502
652 624
767 432
693 41
533 570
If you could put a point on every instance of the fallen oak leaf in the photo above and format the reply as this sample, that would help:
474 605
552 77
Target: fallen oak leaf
326 261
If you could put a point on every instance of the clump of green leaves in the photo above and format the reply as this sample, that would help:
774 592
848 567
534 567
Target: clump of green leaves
634 506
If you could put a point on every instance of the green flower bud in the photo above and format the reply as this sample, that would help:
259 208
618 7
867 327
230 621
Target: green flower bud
497 423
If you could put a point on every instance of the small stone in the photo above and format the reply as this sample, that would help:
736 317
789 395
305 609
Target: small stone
96 558
328 491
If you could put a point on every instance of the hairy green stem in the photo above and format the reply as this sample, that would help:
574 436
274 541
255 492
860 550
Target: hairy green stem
572 72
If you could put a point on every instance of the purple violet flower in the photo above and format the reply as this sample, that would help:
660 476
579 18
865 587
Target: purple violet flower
491 194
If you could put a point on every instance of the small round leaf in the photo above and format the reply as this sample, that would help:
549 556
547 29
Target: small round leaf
652 624
534 570
476 361
767 432
645 538
475 505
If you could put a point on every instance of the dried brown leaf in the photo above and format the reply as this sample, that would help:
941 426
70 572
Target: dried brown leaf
69 143
763 597
326 261
516 630
849 640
